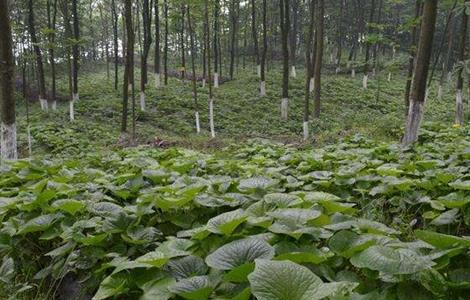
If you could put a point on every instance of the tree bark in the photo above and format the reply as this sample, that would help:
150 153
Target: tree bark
418 92
459 112
8 146
319 56
412 53
285 25
369 31
147 26
255 36
75 51
209 79
264 52
216 45
193 67
157 46
51 24
165 50
115 43
308 67
38 54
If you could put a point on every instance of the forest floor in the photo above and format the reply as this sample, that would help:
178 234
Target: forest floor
240 114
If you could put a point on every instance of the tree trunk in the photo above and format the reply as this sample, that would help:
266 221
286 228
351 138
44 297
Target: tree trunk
193 67
285 25
208 52
412 53
339 37
147 25
255 36
459 111
157 46
319 56
216 39
183 51
38 54
369 31
75 51
129 69
115 44
233 42
293 35
264 52
418 92
165 50
51 24
8 146
308 67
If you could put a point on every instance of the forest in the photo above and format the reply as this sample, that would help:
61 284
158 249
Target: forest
234 149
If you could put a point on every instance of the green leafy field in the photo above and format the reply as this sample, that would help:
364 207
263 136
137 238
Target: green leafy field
350 218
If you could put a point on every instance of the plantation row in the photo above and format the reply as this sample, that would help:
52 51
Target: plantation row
358 220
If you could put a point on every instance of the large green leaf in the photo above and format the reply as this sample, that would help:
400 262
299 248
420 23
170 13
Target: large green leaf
194 288
285 280
442 241
227 222
346 243
391 261
186 267
40 223
239 252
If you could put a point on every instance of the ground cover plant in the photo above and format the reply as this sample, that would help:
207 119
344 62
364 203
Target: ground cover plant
357 219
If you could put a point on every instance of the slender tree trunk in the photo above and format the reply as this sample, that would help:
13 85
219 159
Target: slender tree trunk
418 92
339 37
183 50
319 56
51 23
459 111
254 32
8 146
75 50
147 25
157 46
115 43
285 25
412 53
264 52
293 35
448 59
165 50
193 67
366 63
209 79
233 42
129 69
38 54
308 67
216 45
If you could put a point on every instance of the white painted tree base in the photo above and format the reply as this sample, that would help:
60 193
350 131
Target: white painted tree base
311 85
158 82
44 104
198 126
293 72
413 122
365 80
338 69
258 70
203 83
30 143
353 73
459 114
216 80
142 101
71 110
211 117
75 97
306 130
440 92
54 105
8 146
284 108
262 88
389 77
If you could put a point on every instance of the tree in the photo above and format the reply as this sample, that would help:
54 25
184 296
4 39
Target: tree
418 92
285 25
37 51
234 5
165 49
157 45
147 25
255 36
459 113
308 67
208 53
51 24
115 18
75 51
293 35
183 51
264 52
366 63
216 41
193 68
319 56
129 69
412 52
7 98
